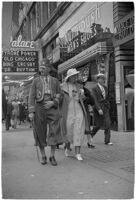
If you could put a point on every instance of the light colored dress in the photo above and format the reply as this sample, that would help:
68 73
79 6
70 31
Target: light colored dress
75 117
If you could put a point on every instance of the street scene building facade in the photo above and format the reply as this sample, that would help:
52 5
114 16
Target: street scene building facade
79 35
67 100
124 63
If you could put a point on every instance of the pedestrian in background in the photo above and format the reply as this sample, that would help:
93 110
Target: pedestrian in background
43 110
101 109
15 113
8 114
22 116
73 112
4 105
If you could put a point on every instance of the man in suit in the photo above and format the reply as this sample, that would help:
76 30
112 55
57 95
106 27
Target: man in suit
43 110
101 109
4 105
8 114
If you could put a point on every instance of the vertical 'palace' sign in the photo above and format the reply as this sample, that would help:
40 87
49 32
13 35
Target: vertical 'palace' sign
22 57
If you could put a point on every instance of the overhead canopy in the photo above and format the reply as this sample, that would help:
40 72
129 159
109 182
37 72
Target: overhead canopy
83 57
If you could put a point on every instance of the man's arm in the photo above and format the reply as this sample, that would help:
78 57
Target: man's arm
89 98
56 99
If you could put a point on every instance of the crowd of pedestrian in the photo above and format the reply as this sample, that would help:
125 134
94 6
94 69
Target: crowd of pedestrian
14 111
60 112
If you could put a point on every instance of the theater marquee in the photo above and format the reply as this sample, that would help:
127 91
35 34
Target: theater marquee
22 57
19 61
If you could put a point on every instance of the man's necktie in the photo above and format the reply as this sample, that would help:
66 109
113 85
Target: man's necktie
103 91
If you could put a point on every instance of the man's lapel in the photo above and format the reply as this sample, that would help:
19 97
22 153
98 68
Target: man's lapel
99 90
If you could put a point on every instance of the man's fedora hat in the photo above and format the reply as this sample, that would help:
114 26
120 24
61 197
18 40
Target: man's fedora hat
45 63
100 75
71 72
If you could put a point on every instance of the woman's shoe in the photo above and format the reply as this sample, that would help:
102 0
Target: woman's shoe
90 146
53 161
79 157
44 160
109 143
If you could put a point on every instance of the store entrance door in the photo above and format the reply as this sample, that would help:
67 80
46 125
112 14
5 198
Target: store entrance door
128 75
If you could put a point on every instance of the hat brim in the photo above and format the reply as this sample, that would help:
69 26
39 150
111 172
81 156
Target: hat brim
67 77
46 66
101 76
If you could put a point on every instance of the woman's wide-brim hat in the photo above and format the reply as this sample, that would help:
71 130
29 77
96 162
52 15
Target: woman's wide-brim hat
100 75
71 72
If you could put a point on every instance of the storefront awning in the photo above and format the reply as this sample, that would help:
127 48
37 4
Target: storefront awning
81 58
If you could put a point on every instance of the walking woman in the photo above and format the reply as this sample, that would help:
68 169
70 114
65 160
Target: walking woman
88 100
73 112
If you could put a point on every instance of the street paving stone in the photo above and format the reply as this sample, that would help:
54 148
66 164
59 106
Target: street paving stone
110 155
115 162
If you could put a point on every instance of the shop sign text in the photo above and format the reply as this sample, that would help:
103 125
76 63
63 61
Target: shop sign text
84 41
84 26
85 33
124 29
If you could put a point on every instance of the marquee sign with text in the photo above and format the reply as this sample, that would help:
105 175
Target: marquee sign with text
83 41
124 29
20 61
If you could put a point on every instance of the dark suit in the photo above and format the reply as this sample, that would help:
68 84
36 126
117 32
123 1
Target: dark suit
89 100
101 121
8 115
4 105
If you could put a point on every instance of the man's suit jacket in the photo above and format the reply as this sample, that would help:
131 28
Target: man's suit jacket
103 104
37 92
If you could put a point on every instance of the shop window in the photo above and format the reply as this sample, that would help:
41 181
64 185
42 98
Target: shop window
49 48
53 44
46 51
129 96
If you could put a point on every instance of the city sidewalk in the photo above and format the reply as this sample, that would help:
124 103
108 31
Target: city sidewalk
107 172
